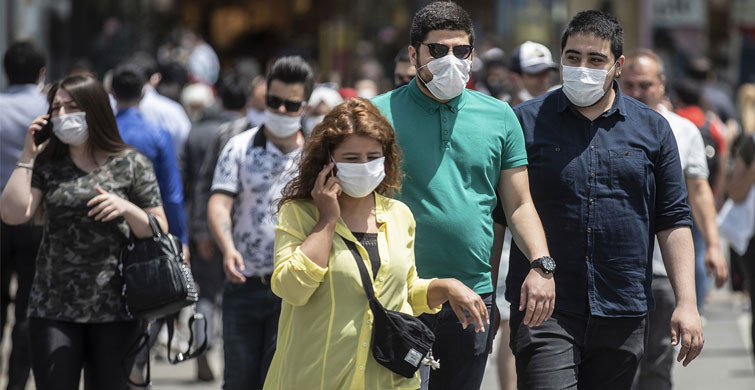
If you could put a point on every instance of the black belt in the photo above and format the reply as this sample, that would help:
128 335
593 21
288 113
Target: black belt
260 279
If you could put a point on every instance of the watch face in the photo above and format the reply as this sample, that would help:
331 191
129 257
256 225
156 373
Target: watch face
549 264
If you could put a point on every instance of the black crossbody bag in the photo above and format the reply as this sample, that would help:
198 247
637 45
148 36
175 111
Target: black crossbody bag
400 341
157 283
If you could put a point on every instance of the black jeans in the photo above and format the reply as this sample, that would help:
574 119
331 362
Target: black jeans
61 349
654 372
462 352
569 351
18 252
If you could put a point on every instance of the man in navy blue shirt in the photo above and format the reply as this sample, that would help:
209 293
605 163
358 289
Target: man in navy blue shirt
606 180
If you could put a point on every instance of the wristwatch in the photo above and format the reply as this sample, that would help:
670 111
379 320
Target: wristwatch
545 263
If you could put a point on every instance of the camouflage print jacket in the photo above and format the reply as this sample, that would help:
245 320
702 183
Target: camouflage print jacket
77 276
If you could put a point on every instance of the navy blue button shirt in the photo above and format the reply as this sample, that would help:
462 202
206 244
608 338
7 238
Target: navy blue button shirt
603 189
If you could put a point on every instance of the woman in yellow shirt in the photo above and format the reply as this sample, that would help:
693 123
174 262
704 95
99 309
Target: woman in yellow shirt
348 168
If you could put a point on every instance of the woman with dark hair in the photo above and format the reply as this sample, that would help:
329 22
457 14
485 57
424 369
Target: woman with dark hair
348 168
94 191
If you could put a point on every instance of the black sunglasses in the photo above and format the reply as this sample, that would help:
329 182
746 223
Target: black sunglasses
438 50
291 106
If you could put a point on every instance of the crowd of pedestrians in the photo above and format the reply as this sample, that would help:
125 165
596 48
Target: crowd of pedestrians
564 207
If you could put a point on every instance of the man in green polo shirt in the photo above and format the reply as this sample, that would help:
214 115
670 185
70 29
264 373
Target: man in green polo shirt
459 147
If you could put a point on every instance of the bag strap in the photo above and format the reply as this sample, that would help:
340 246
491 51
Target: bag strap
366 280
156 231
183 356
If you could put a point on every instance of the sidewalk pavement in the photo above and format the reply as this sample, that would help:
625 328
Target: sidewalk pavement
725 363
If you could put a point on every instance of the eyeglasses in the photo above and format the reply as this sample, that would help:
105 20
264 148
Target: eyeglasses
438 50
291 106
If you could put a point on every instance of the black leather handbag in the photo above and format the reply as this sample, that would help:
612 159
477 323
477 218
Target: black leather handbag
156 281
400 341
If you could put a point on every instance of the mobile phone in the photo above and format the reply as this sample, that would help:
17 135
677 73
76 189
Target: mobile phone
44 133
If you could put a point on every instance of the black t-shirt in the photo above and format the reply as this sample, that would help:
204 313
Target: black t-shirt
369 242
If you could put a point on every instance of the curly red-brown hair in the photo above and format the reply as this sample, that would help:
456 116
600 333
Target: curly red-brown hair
354 116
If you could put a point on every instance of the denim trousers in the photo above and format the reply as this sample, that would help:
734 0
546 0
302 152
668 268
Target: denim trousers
570 351
250 330
462 353
655 368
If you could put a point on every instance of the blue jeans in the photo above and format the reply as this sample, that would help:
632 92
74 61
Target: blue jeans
701 275
250 330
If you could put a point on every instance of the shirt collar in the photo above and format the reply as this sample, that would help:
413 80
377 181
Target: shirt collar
380 205
431 105
618 105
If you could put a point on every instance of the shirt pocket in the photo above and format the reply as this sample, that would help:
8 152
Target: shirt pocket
552 171
629 169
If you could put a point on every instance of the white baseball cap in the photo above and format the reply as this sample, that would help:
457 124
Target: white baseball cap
531 57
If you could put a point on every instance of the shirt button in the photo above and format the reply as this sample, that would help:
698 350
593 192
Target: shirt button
364 345
557 149
445 120
369 321
592 174
592 147
589 230
592 201
587 258
361 368
381 278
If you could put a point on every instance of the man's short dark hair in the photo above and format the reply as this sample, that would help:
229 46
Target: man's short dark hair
146 64
22 63
292 70
402 56
128 81
440 15
600 24
234 91
688 91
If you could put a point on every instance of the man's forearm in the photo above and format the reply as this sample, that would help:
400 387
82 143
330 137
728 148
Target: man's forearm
527 231
679 258
219 221
703 210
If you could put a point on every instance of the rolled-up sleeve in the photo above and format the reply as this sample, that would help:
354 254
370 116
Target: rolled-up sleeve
296 276
671 208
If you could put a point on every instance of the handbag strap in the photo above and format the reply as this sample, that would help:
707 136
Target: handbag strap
183 356
156 231
366 280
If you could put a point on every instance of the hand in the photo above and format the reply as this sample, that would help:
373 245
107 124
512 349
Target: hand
233 262
538 297
29 145
187 254
463 300
206 249
687 328
325 194
107 206
715 264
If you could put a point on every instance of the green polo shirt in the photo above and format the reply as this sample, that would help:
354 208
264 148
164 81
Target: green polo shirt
453 156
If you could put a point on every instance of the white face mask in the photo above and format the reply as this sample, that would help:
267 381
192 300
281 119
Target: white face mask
584 86
310 122
359 180
450 76
281 126
71 129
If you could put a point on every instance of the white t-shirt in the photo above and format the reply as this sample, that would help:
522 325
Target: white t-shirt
694 163
254 171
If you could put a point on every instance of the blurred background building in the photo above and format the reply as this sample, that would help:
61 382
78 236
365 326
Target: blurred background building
349 40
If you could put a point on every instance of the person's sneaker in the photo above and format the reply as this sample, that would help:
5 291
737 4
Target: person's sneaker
204 369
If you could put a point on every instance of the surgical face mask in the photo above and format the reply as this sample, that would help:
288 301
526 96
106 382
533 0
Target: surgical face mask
359 180
450 76
71 129
281 126
584 86
310 122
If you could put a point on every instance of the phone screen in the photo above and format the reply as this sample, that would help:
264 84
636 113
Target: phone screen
43 134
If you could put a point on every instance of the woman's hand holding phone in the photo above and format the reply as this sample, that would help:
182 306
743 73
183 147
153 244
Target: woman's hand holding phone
325 194
38 135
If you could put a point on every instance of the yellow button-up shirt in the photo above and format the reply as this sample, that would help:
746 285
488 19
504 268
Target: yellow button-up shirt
325 329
